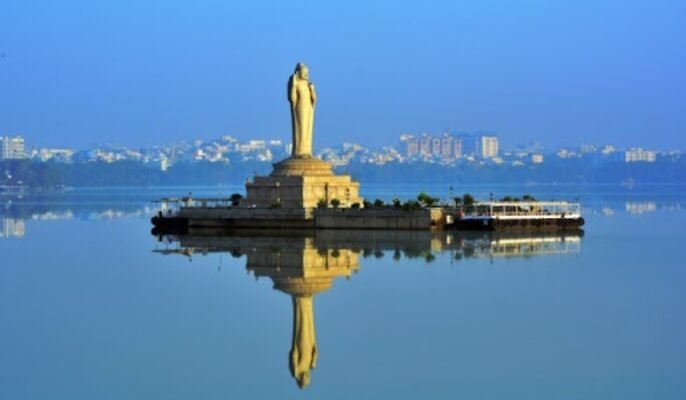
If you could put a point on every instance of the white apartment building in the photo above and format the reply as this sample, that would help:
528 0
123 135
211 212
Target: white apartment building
12 148
489 146
640 155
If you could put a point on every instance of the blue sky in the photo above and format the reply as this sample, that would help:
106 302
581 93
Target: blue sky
79 73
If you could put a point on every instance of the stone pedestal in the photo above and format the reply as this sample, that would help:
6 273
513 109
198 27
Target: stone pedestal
301 183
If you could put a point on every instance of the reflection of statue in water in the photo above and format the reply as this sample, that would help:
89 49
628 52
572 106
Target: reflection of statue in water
297 265
303 356
301 270
302 97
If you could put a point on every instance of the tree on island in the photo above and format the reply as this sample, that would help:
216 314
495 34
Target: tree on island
378 203
397 203
411 205
335 203
467 199
426 200
322 203
235 199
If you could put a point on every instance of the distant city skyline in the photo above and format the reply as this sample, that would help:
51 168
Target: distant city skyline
470 142
448 148
128 73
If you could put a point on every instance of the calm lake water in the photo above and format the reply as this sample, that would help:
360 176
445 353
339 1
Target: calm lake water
92 306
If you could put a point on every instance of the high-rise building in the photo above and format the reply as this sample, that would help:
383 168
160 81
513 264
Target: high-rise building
489 146
425 146
12 148
447 151
411 145
469 143
451 146
412 148
436 146
457 147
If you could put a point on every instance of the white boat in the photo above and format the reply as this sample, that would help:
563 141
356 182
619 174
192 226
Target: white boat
530 215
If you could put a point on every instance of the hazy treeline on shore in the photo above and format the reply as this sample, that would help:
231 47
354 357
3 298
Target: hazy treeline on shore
128 173
556 171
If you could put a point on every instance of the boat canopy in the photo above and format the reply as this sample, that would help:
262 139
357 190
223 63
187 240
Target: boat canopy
527 208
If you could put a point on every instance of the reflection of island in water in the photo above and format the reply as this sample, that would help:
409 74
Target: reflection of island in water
305 263
97 205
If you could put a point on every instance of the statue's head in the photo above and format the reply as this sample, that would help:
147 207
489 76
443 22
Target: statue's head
302 71
303 379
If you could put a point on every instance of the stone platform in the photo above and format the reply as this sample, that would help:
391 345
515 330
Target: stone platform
301 183
302 167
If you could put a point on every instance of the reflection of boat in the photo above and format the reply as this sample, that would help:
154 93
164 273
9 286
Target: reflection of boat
304 263
511 215
365 242
494 244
